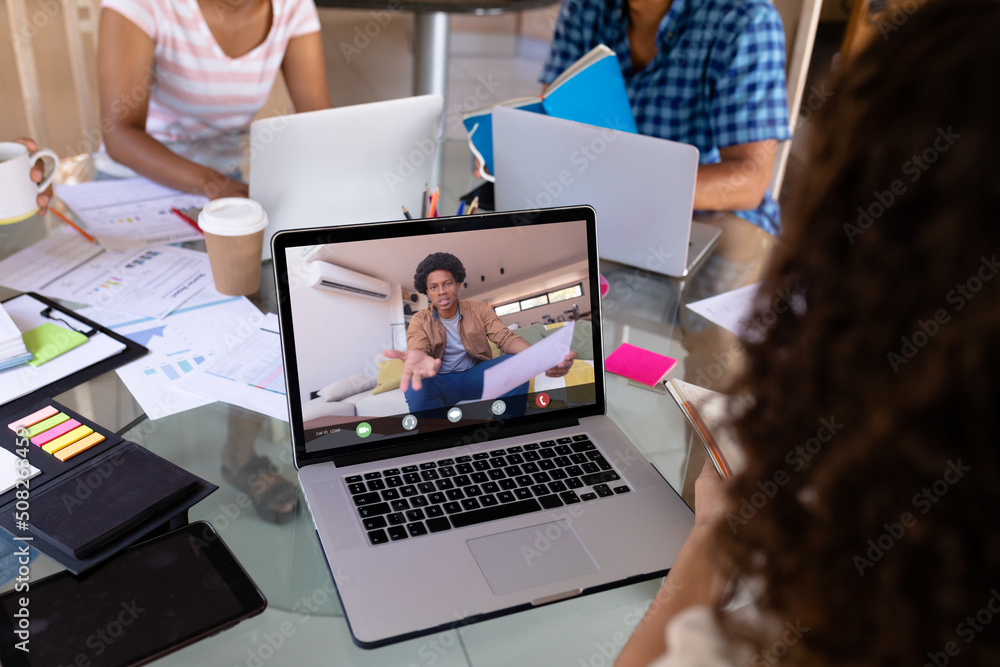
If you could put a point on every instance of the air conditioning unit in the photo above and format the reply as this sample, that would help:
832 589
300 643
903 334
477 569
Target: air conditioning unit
333 278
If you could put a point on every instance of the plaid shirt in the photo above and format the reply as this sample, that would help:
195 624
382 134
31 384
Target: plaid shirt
717 80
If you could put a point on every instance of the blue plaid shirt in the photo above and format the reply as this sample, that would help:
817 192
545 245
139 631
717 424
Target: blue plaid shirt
717 80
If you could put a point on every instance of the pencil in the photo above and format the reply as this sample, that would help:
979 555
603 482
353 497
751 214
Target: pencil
407 214
182 216
432 212
424 201
461 206
74 226
473 206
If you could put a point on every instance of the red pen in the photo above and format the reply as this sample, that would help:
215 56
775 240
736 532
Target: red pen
180 214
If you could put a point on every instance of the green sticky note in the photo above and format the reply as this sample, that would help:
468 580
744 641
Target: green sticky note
49 341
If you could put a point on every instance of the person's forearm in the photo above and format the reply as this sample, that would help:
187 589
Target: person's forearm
137 150
694 580
517 344
730 185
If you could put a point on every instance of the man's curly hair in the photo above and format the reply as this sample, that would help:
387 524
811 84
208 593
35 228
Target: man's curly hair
437 261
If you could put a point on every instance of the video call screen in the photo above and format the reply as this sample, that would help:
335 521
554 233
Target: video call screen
523 306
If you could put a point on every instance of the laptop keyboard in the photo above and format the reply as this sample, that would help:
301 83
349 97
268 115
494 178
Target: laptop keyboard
409 501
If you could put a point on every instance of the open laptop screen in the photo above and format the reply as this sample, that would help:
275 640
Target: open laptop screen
525 313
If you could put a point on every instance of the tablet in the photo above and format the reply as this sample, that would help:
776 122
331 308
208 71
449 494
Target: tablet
147 601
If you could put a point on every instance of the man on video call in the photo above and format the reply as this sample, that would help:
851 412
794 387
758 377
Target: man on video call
447 345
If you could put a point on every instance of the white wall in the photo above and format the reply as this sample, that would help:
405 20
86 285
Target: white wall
343 332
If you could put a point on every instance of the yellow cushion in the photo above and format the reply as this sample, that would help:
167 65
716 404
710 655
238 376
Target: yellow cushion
494 349
390 372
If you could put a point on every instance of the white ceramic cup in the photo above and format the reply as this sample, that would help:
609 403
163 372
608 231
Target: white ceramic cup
18 193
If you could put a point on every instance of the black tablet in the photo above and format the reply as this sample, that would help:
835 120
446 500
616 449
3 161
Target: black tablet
145 602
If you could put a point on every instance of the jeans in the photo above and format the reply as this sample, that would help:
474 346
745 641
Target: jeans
449 388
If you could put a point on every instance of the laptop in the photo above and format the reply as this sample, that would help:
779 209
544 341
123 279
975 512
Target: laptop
642 187
299 174
457 513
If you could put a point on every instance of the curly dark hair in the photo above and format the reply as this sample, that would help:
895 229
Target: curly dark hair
437 261
867 506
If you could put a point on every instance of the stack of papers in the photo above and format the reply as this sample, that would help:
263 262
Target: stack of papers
12 349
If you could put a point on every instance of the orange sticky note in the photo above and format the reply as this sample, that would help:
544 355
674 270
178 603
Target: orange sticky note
72 450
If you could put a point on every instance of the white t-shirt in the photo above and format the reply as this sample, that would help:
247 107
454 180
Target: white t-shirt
695 640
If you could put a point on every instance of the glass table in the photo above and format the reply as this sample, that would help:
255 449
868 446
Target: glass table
304 624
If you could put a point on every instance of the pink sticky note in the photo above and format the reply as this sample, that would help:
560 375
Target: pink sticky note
46 436
605 285
33 418
638 364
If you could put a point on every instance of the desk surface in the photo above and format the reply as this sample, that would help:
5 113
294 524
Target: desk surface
304 624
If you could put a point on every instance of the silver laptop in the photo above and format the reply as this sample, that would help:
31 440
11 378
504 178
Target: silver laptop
344 165
641 187
459 512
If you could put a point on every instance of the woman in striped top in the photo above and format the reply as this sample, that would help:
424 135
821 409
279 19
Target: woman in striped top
180 81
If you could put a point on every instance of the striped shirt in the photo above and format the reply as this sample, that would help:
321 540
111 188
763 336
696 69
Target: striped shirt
202 101
717 80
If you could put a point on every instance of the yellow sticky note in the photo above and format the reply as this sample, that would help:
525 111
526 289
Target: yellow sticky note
48 341
68 439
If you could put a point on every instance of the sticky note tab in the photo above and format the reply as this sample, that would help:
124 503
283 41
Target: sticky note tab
49 341
74 449
45 425
32 419
65 440
55 432
638 364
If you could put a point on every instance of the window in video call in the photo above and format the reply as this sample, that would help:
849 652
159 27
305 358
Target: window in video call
498 328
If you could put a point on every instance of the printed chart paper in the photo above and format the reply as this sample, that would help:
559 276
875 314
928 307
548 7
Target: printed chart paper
250 375
131 213
41 263
210 323
152 282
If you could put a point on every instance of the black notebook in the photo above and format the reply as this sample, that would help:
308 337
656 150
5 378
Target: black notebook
89 510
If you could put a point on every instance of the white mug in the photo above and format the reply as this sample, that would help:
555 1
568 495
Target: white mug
18 193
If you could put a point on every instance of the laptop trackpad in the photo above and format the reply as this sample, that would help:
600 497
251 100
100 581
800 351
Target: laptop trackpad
530 557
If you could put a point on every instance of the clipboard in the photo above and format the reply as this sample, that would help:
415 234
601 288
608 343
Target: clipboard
51 311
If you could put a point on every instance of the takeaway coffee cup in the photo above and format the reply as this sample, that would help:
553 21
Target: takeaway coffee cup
18 193
234 236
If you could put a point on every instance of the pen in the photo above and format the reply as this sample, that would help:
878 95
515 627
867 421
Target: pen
180 214
424 201
432 211
71 224
461 206
407 214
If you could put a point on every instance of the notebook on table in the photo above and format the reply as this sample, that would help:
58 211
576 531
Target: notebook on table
461 512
